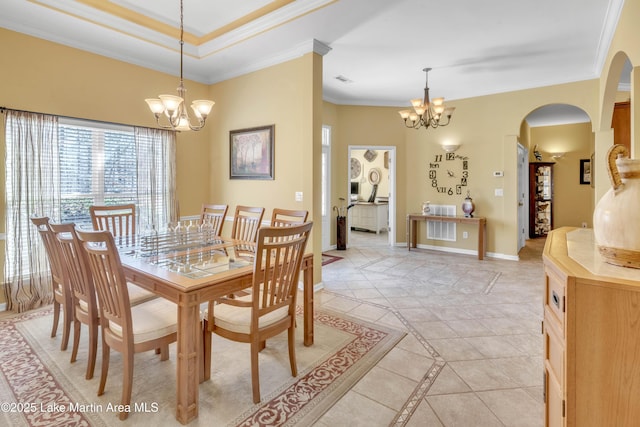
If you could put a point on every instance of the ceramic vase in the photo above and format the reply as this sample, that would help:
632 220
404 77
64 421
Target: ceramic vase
617 214
468 206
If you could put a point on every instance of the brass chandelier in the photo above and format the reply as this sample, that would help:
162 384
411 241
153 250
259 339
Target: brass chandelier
173 107
427 113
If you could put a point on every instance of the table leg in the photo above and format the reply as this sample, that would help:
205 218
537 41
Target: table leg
481 231
188 372
308 303
409 238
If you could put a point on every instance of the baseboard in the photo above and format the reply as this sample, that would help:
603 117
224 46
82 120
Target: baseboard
466 252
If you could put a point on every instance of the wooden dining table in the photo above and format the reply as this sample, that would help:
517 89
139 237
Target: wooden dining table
190 276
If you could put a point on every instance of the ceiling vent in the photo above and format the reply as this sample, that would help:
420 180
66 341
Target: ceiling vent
343 79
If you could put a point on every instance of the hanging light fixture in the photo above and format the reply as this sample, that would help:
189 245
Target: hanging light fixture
427 113
173 107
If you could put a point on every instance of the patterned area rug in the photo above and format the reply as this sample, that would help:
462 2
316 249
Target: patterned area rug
328 259
38 385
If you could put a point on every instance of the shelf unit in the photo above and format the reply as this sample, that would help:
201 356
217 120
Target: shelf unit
540 198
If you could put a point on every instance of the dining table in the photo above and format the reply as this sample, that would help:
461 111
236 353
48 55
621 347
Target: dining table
191 269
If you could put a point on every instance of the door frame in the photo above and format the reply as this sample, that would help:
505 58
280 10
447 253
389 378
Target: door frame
391 234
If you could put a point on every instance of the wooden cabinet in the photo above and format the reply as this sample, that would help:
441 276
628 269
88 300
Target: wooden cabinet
540 198
621 124
591 332
370 216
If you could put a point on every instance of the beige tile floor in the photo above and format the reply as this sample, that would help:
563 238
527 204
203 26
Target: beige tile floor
473 351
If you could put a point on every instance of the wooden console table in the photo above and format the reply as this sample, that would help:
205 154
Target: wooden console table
412 220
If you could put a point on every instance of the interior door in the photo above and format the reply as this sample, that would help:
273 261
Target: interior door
523 196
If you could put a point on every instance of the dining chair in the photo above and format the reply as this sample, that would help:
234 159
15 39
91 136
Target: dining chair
120 220
85 304
246 222
270 308
151 325
62 295
287 217
214 215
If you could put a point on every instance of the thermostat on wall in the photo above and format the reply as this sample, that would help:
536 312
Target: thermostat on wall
498 173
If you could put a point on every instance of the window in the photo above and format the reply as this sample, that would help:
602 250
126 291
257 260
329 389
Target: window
58 167
98 166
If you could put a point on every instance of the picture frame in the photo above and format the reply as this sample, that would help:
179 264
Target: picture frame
585 171
251 153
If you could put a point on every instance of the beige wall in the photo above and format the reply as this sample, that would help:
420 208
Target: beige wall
573 202
286 96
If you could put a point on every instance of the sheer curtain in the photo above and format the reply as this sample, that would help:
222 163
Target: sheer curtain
156 177
32 188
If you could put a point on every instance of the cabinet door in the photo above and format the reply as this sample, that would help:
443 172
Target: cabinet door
554 404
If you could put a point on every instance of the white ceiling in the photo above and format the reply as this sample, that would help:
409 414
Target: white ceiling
380 46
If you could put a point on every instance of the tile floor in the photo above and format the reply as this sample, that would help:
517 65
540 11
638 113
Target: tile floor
473 351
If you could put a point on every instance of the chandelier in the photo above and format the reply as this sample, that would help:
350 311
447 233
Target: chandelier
173 107
427 113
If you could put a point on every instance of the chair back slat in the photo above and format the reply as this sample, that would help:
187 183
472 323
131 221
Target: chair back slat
214 215
52 249
108 276
287 217
246 223
120 220
78 273
277 264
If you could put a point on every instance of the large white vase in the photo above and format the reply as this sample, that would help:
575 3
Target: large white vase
616 219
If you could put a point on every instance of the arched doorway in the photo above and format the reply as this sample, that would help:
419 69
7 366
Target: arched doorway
560 136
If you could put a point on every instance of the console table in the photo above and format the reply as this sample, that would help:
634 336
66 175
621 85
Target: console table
412 220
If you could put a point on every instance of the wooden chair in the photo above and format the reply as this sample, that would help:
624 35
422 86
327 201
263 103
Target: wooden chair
287 218
85 305
215 215
62 295
246 222
120 220
270 309
148 326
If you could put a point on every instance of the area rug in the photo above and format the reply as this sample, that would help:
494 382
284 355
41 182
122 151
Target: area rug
328 259
38 385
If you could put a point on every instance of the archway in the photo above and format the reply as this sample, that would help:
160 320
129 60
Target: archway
561 136
614 87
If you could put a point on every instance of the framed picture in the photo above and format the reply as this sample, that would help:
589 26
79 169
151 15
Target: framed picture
585 171
251 153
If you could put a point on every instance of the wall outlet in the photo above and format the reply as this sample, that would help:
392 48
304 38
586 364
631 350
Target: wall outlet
298 196
498 192
465 235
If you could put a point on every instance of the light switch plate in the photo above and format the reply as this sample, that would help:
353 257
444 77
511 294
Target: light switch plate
298 196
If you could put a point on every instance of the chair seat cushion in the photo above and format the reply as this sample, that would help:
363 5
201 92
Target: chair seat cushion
238 319
151 319
137 295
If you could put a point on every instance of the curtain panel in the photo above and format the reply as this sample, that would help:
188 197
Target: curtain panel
31 189
33 166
